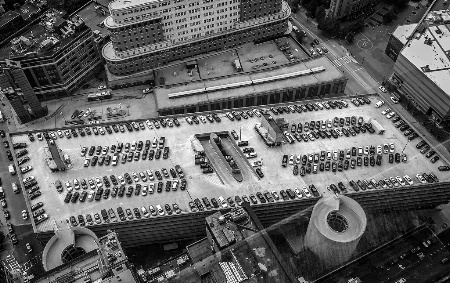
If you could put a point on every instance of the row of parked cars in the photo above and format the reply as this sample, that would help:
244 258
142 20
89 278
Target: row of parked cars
102 130
98 192
125 153
259 197
408 132
323 132
120 190
392 182
203 118
293 108
98 182
110 216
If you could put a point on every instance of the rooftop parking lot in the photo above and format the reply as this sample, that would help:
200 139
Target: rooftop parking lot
179 141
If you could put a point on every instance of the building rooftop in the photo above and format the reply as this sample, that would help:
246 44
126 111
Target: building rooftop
227 229
93 16
331 73
93 260
403 32
44 39
219 183
428 48
124 4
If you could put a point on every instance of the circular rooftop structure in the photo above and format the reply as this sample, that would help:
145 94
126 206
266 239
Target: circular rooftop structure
68 244
335 227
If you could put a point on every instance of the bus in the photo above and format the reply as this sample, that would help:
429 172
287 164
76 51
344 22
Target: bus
99 96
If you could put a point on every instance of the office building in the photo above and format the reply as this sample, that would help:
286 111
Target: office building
398 39
75 255
51 59
422 67
343 8
146 34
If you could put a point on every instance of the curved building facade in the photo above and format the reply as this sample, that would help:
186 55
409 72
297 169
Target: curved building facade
147 34
68 244
336 225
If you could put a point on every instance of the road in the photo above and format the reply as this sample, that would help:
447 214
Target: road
359 80
15 204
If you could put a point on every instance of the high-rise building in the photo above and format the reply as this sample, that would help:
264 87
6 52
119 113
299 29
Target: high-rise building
147 34
343 8
52 58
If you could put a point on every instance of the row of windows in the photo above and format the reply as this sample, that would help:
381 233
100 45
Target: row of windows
127 66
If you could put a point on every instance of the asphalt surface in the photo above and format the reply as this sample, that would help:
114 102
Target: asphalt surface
15 204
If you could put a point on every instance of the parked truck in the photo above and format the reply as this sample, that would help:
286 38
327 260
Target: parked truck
379 129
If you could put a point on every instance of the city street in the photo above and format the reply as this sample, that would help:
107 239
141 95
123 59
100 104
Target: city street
15 204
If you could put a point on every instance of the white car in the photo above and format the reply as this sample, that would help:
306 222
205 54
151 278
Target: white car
27 179
160 210
99 182
147 90
76 184
151 188
135 176
291 160
400 180
298 193
386 111
390 115
203 119
307 192
366 150
394 99
256 111
144 190
222 201
101 87
145 212
379 150
150 175
149 124
421 178
24 214
408 180
26 169
90 196
60 133
379 104
121 180
391 148
382 88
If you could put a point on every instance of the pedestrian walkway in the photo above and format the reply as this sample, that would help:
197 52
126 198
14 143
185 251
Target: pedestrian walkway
344 60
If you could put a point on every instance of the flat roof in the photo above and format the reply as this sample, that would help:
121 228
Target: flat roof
124 4
429 48
92 19
7 17
403 32
331 73
38 34
219 183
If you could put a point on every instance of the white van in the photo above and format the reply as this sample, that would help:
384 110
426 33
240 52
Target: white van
12 169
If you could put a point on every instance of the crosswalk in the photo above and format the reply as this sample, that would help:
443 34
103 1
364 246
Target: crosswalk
344 60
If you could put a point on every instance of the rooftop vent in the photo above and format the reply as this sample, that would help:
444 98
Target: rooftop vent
428 41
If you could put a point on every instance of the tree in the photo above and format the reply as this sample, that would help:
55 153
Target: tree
389 17
329 25
320 12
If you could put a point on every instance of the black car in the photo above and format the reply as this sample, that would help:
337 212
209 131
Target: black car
397 157
130 191
68 197
75 197
290 193
259 172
